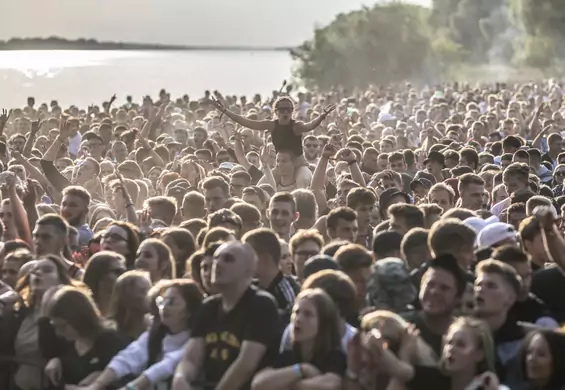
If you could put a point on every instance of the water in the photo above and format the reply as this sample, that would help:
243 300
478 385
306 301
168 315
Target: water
87 77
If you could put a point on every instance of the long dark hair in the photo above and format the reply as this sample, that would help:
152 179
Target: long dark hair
133 241
193 299
556 342
98 266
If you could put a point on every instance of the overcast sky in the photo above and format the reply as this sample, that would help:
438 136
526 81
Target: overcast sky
199 22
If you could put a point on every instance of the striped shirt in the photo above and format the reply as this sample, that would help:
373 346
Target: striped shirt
284 289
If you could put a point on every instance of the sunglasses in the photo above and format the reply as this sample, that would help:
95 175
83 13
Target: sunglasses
284 110
113 237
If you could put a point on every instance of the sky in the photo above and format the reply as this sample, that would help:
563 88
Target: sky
183 22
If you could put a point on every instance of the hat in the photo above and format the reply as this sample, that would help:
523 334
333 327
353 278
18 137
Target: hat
319 263
226 165
495 233
478 224
390 286
386 117
435 156
423 178
386 197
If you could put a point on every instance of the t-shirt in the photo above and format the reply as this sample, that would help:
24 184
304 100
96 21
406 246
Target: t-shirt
254 318
284 289
75 368
334 362
548 284
432 339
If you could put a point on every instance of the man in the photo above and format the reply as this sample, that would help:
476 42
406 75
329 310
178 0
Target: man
441 290
442 195
342 224
435 163
216 193
404 217
162 208
238 181
452 237
414 248
497 288
74 208
469 158
250 216
267 247
355 261
282 213
515 177
311 148
302 246
387 244
234 330
193 205
362 201
472 191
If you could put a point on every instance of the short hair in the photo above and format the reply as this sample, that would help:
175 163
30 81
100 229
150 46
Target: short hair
216 182
412 215
222 216
335 215
510 254
449 264
247 212
520 170
305 203
352 257
79 192
459 213
339 287
360 196
169 205
447 236
471 156
468 179
506 272
516 208
284 197
385 243
331 248
446 188
215 234
242 175
265 242
194 200
304 236
415 238
529 228
56 221
395 156
535 201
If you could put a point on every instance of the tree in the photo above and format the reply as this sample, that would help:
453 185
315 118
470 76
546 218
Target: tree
385 43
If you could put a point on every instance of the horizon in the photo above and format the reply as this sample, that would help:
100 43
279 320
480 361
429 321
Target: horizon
176 22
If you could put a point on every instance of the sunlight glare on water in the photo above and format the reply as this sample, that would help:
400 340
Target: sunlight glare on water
86 77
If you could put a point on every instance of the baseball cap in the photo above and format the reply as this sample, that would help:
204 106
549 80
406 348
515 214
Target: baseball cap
478 224
387 195
226 165
495 234
423 178
435 156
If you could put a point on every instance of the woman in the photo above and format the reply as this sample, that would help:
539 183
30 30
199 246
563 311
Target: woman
25 332
100 274
123 238
156 258
467 362
75 318
393 330
181 243
315 359
129 304
542 357
153 357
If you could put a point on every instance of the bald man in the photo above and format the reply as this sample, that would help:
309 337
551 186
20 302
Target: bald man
234 330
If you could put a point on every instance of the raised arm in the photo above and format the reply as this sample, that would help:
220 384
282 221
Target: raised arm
349 157
35 126
268 177
18 211
240 152
250 124
318 183
3 120
154 155
300 127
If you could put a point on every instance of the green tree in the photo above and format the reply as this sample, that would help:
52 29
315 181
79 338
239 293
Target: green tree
378 45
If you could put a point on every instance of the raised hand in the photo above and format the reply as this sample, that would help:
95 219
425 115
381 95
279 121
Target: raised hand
4 117
113 99
219 106
346 155
329 150
329 109
65 129
35 126
141 138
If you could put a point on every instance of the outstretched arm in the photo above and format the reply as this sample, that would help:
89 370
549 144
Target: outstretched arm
300 128
250 124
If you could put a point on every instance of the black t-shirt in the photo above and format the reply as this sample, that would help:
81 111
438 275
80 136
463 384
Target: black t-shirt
432 339
549 285
334 362
75 368
254 318
284 289
428 378
530 310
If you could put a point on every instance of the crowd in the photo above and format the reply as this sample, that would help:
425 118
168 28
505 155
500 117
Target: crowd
394 238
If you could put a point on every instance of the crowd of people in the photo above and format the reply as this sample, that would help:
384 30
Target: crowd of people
393 238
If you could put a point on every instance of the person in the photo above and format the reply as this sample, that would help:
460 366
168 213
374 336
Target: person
282 213
155 257
122 238
304 245
100 275
315 358
152 358
235 329
75 318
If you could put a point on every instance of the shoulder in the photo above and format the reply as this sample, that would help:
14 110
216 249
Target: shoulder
263 299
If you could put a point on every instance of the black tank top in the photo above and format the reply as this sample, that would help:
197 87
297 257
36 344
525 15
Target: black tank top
284 139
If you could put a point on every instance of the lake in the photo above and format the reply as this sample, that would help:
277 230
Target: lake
87 77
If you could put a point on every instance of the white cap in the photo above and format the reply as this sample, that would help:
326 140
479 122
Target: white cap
479 224
495 233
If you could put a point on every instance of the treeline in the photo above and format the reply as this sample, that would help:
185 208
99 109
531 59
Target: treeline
397 41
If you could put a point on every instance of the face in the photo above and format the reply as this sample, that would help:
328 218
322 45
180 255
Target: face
115 239
345 230
398 166
512 183
285 263
284 111
491 295
539 361
73 209
472 196
237 184
84 172
382 164
399 225
254 160
227 266
285 165
10 270
199 138
120 151
460 350
303 252
281 216
106 168
172 309
254 200
206 273
311 148
147 259
438 292
343 190
48 240
304 320
515 218
43 276
364 215
18 144
94 146
6 214
215 199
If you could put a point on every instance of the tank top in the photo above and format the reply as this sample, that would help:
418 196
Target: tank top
284 139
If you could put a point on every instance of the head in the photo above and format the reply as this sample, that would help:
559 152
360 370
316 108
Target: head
284 108
451 236
163 208
155 257
518 259
234 264
12 264
181 243
515 177
74 205
50 235
178 303
362 201
267 247
216 193
100 275
356 261
541 355
497 288
471 190
342 224
123 238
282 213
304 245
414 247
404 217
